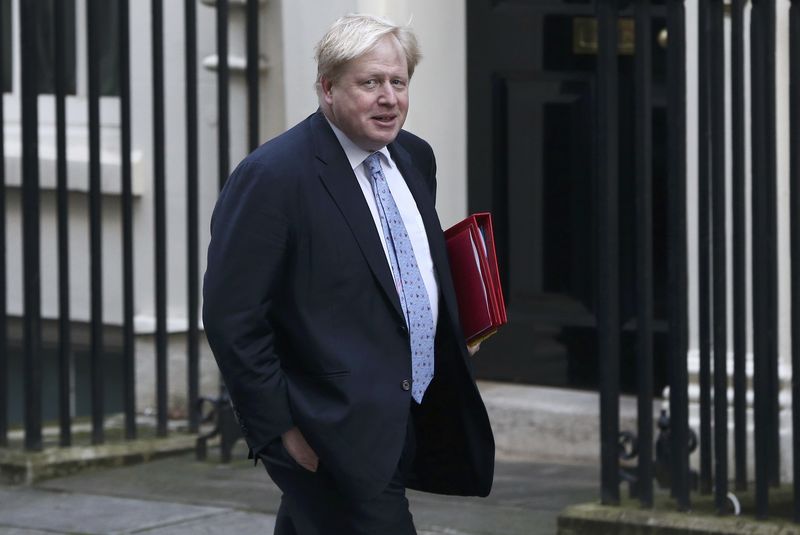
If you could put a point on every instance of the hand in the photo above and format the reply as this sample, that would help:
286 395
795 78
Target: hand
296 445
473 349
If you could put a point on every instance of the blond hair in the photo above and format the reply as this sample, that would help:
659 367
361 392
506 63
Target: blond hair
356 34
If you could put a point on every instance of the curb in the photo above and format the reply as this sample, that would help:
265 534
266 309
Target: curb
26 468
596 519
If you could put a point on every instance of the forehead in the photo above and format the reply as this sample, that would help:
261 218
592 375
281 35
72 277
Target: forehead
386 56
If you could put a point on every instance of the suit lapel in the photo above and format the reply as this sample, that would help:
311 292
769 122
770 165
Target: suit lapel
338 178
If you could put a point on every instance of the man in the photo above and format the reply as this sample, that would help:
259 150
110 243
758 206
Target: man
330 309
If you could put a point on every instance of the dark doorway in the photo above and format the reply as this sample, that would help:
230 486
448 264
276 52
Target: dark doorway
531 102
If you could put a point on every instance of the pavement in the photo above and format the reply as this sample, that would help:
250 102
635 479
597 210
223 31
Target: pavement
547 447
180 495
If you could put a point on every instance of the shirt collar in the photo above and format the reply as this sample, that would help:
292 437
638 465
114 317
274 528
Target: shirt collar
355 154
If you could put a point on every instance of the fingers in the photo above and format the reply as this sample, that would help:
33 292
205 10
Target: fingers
310 464
473 349
299 449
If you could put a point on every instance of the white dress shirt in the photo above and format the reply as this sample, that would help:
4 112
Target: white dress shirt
405 205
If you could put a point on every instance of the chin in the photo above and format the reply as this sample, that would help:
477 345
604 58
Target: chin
384 139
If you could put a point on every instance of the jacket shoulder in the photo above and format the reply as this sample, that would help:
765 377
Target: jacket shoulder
418 147
288 149
280 161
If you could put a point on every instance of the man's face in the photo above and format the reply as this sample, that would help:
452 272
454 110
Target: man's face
369 100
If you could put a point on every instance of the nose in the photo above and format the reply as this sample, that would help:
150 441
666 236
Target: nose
387 96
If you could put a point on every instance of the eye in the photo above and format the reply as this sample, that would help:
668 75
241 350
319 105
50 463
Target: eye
370 83
399 83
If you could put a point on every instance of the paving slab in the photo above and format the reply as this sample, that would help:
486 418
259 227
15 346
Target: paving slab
62 512
22 531
236 485
230 522
525 500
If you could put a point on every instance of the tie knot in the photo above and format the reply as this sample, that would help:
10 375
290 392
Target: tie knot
373 165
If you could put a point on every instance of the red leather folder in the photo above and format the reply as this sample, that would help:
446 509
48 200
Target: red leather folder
473 264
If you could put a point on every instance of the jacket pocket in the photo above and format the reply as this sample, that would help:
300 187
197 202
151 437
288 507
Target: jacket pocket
329 375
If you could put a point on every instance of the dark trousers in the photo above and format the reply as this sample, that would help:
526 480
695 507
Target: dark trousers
312 505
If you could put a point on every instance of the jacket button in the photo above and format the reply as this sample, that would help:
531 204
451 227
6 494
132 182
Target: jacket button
406 384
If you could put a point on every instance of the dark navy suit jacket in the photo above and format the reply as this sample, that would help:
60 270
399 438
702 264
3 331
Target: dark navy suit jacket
307 328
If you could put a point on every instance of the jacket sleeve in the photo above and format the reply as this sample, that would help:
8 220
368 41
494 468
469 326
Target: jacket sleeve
247 262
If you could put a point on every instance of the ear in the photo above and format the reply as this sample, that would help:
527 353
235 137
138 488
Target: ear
326 85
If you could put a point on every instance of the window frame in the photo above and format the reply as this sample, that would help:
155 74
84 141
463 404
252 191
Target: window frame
77 104
6 75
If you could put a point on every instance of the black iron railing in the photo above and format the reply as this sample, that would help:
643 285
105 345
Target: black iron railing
32 329
739 237
677 252
722 216
96 23
192 212
608 247
4 365
644 244
794 139
126 199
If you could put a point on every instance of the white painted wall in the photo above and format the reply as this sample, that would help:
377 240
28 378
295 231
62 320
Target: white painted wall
783 185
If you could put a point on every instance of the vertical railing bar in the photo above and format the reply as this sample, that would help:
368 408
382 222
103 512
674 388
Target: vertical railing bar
252 73
608 248
223 111
678 276
128 341
739 244
192 219
64 336
772 244
720 306
760 284
704 238
30 229
95 226
4 383
222 92
159 190
644 177
794 157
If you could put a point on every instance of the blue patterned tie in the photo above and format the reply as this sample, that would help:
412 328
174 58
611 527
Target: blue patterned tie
407 280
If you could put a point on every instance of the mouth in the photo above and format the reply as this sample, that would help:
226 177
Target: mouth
385 118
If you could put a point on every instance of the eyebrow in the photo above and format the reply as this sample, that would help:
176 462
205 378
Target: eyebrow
376 74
